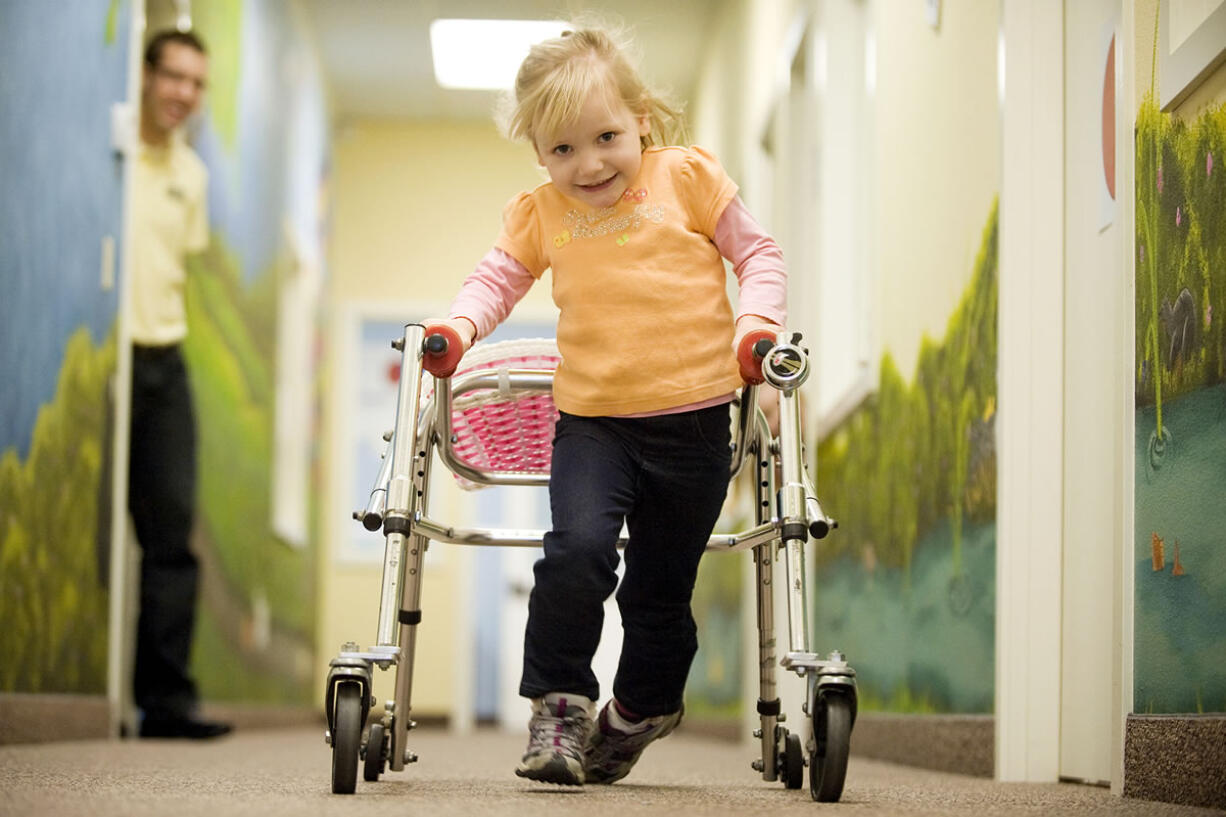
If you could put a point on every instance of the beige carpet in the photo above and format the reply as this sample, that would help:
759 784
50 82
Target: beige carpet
287 772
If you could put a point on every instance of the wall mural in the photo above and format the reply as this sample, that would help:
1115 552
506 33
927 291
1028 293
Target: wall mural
713 689
263 136
907 585
1180 388
59 224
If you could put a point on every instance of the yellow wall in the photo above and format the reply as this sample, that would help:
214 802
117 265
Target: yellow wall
418 204
415 206
938 163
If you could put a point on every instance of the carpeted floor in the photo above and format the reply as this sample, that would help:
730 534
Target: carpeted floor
287 772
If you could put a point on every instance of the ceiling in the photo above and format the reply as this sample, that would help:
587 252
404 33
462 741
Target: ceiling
376 53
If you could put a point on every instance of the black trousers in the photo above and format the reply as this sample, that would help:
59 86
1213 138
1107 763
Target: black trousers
161 498
666 477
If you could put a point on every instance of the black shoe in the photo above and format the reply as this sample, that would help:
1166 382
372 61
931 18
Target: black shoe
182 726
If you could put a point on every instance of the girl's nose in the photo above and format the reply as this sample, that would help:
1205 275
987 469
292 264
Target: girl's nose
590 162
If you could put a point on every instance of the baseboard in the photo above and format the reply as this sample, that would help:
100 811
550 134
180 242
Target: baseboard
1176 759
37 718
244 716
965 744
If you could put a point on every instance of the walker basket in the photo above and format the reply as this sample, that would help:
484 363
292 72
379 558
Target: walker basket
506 429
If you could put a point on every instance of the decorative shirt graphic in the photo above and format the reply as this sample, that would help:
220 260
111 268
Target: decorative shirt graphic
577 225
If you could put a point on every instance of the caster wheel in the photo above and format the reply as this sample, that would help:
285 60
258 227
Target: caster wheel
375 761
346 738
791 761
831 744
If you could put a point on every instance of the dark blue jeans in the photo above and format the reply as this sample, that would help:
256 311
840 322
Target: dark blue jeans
666 477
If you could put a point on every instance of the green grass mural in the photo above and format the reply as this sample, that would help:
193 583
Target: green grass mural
257 622
257 618
1181 259
713 691
53 533
1180 393
906 586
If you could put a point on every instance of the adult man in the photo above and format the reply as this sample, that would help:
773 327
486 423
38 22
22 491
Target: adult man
170 221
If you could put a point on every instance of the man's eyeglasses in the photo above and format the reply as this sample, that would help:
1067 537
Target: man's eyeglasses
178 78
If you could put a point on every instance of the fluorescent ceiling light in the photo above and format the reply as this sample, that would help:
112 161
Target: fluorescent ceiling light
485 53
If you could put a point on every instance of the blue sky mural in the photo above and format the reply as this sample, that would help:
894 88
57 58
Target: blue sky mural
60 71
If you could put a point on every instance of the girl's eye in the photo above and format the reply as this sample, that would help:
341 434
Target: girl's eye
607 136
562 150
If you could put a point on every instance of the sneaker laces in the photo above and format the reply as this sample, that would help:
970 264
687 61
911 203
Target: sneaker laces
561 724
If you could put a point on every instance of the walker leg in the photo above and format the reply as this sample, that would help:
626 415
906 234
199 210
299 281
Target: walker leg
410 614
410 617
764 567
768 698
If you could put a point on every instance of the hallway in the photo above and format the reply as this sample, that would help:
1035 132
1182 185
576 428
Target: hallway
286 772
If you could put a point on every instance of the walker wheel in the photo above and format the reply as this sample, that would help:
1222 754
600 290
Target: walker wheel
792 762
831 745
346 737
375 760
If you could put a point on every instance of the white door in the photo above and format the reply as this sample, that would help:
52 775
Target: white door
1093 393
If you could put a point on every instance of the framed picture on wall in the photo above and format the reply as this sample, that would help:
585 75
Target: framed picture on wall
1191 46
367 385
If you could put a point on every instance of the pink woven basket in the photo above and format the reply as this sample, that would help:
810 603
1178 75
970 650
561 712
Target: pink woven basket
505 429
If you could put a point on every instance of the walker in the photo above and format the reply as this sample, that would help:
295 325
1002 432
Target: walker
491 423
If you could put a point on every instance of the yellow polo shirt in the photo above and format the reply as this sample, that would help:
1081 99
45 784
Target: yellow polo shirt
645 324
169 200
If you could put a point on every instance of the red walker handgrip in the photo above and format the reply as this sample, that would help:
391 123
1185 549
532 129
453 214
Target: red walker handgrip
443 349
749 359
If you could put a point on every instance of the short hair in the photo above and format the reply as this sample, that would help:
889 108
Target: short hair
153 51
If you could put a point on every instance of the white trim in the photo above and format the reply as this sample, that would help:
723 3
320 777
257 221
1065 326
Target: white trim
120 634
1029 492
1124 575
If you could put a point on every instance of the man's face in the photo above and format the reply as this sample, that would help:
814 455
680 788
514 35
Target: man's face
172 89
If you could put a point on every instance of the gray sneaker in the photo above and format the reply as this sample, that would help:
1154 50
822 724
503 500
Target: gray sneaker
557 732
612 750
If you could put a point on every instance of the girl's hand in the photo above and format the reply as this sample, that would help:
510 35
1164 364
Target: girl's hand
750 328
459 333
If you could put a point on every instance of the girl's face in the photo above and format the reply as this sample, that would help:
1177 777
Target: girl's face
594 159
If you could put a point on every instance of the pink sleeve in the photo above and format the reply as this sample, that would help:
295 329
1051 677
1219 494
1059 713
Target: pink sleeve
490 291
756 260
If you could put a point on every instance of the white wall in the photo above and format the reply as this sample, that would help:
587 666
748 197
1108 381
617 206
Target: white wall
937 160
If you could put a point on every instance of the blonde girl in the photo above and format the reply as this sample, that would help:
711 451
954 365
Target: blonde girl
635 232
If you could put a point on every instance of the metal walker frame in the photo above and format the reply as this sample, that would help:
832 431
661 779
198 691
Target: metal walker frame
786 515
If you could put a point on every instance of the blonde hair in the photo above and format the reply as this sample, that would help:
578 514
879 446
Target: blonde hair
560 74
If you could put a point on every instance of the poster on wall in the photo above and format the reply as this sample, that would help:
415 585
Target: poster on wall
374 375
1106 186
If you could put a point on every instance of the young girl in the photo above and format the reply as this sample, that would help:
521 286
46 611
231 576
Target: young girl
634 235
